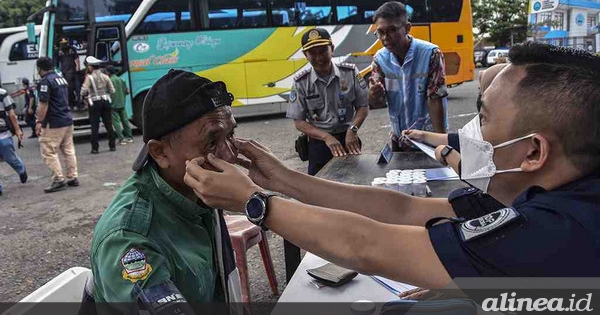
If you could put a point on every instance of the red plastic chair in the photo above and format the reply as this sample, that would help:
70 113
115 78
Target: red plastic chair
244 235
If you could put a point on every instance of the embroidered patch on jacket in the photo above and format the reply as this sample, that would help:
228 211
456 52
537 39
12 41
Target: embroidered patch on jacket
135 266
361 81
43 88
488 223
293 95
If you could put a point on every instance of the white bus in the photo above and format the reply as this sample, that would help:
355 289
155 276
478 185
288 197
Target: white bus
17 60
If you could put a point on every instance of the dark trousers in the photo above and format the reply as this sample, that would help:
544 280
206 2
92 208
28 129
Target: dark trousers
30 120
101 109
74 89
319 153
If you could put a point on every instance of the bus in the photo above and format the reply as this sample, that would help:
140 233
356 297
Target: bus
17 62
251 45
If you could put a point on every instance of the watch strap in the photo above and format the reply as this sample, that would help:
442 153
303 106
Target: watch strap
445 152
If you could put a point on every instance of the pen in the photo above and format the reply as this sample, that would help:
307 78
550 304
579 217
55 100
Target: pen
403 137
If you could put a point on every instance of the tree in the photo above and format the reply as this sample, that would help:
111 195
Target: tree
501 20
15 12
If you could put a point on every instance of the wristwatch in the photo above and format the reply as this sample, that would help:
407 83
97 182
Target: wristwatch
354 128
445 151
257 208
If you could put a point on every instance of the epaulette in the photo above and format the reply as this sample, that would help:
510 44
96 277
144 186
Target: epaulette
138 218
302 74
346 65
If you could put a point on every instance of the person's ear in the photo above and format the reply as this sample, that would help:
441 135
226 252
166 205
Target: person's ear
157 150
537 154
408 26
332 48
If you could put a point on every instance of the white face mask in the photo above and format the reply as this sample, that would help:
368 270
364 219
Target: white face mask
477 155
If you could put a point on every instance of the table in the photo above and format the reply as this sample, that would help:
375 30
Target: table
303 297
360 170
300 289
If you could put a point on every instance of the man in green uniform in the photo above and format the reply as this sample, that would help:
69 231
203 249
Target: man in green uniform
157 242
120 122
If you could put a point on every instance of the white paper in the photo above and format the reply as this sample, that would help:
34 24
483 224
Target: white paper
393 286
425 148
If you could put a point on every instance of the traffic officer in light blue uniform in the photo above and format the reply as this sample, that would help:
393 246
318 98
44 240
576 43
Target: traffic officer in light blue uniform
328 102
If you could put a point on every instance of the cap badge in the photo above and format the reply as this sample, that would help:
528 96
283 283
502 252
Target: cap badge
313 34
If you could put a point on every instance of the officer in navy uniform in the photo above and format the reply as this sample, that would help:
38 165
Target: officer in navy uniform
328 102
68 62
533 147
54 127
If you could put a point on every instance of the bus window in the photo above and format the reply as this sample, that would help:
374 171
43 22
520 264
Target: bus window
418 10
72 11
300 13
115 10
356 12
167 16
445 10
109 51
225 14
22 50
254 14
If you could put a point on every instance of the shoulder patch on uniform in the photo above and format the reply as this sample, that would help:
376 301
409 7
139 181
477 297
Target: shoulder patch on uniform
476 228
135 266
43 88
293 95
346 65
301 74
361 81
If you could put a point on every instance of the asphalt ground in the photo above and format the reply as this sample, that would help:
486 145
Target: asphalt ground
42 235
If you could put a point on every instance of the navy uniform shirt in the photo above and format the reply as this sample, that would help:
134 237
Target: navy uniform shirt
543 234
54 90
67 59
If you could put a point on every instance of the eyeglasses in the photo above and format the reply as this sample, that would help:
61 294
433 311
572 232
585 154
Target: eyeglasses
387 32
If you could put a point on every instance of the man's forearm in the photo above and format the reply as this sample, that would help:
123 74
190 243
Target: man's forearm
360 116
359 243
436 113
435 139
14 121
310 130
378 204
41 111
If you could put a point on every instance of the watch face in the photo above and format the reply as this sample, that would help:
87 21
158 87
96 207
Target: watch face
255 208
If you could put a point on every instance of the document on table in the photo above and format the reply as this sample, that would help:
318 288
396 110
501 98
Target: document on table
393 286
442 173
425 148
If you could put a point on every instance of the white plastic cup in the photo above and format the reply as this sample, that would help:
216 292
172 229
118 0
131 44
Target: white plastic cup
405 186
419 188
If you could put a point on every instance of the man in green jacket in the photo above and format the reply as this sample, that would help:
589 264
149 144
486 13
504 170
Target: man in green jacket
157 243
120 122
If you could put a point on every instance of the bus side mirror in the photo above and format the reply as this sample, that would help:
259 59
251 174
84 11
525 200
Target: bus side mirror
31 33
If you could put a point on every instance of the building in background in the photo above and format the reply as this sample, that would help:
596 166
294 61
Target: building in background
570 23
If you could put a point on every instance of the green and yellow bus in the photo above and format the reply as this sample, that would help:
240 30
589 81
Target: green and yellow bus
252 45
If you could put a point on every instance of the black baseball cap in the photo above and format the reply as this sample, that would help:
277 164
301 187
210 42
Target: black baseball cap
315 37
175 100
